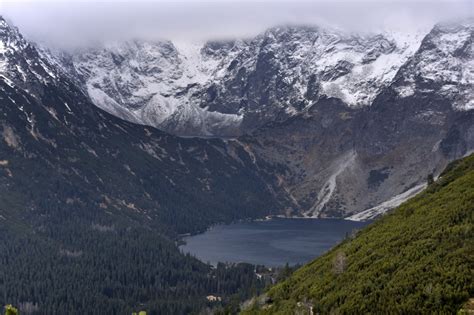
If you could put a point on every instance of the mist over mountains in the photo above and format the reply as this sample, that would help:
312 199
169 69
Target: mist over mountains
328 109
111 151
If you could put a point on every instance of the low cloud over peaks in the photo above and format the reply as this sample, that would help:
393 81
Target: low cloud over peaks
76 23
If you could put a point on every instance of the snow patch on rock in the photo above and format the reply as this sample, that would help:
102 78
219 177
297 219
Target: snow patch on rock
445 61
325 194
384 207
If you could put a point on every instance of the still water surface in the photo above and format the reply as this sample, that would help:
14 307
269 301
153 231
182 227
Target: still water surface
271 243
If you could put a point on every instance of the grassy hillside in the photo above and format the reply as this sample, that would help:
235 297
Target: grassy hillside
417 260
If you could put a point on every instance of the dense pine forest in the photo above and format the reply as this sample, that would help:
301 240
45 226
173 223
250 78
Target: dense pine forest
66 270
417 260
91 206
109 157
90 218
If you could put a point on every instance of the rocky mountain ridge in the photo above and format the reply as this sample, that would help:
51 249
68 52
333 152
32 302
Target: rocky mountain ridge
226 88
325 157
343 160
58 148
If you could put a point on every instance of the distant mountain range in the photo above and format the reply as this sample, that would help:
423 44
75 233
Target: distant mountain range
228 88
298 121
91 206
332 123
60 148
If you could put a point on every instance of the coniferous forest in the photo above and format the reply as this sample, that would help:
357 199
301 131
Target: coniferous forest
84 269
417 260
116 146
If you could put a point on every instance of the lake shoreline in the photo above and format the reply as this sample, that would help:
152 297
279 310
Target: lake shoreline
270 241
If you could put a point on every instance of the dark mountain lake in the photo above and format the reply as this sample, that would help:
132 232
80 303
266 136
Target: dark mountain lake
272 243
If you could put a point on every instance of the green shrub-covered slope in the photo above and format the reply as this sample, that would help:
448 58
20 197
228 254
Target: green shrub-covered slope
417 260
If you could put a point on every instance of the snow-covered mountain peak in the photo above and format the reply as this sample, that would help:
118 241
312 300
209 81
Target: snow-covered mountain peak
20 60
10 38
6 27
310 62
197 68
3 25
151 82
162 82
10 41
228 87
444 64
450 38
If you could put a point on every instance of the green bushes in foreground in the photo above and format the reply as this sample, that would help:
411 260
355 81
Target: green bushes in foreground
417 260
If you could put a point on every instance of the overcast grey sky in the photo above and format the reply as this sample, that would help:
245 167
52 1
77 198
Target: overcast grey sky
79 21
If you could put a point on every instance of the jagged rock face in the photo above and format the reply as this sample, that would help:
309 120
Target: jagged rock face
232 87
444 64
62 157
154 83
285 70
330 129
316 148
344 160
340 161
20 61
